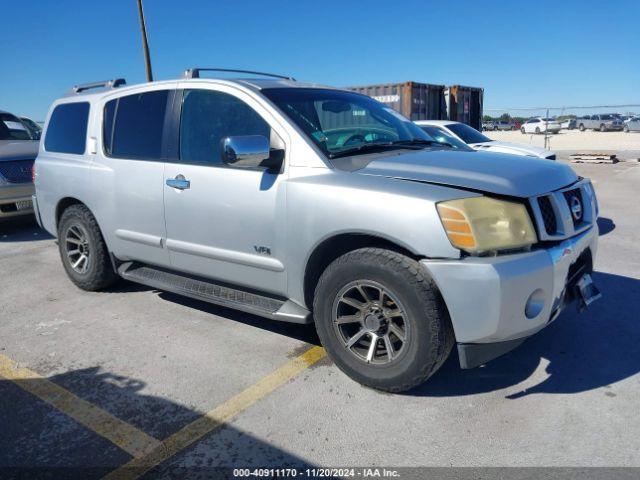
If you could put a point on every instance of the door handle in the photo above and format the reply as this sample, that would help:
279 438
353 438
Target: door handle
179 182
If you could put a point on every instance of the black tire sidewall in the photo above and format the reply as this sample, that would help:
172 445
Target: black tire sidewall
418 352
95 277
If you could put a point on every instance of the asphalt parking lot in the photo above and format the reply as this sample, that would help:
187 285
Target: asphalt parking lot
142 383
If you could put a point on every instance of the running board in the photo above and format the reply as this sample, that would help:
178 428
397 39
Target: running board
201 289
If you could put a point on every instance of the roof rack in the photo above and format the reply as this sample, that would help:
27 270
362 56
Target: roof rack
195 72
114 83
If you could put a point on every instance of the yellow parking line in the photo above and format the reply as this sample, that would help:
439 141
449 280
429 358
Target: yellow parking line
127 437
216 417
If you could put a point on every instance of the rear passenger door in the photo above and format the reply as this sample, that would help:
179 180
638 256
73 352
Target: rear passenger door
228 222
130 174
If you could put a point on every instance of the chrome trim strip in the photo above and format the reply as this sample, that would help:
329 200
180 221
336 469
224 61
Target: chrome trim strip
231 256
137 237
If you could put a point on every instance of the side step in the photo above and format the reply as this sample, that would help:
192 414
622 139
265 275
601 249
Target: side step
207 291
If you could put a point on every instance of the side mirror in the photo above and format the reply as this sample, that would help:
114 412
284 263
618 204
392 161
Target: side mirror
246 151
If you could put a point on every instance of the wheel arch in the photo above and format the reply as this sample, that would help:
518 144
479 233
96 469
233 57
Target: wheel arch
334 246
65 203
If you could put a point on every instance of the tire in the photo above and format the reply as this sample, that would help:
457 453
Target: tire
603 128
78 231
522 130
495 129
538 130
626 129
581 128
425 323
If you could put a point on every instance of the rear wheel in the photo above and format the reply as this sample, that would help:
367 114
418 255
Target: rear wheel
382 320
603 128
83 251
522 130
626 128
581 127
538 130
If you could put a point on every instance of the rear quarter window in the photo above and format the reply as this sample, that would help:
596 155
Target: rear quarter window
67 129
133 125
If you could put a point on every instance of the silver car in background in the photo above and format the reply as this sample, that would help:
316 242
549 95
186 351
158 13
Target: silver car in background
18 151
632 124
303 203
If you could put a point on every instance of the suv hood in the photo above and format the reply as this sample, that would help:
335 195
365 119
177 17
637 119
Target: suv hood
512 148
18 150
488 172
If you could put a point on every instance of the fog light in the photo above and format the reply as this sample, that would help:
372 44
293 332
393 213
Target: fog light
535 304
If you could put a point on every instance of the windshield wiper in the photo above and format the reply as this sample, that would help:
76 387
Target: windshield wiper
421 141
364 148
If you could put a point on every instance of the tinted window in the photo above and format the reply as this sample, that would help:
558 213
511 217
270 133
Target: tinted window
137 129
67 130
467 134
208 117
11 128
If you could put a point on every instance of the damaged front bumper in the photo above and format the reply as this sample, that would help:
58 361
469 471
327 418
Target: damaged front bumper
495 303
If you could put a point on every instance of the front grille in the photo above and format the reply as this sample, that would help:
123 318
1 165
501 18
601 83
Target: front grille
548 215
575 204
16 171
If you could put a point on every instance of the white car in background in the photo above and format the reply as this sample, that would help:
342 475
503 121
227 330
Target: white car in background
540 125
478 141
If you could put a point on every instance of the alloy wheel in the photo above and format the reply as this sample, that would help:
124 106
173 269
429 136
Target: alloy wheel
77 248
370 322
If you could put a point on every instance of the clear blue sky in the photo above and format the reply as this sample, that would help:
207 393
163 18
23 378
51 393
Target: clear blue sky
523 53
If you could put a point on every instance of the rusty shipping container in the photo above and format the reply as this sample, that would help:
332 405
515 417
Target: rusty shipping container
464 104
416 101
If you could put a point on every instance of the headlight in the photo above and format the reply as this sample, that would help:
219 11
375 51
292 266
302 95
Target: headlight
483 224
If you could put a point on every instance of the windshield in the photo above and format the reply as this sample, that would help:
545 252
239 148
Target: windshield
467 133
346 122
11 128
34 129
441 136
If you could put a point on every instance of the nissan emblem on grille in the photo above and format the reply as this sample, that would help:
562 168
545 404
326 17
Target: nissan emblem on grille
576 208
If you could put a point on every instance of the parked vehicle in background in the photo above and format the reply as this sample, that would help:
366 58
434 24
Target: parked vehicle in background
632 124
211 189
540 125
568 124
601 122
503 125
489 125
441 135
35 130
17 154
479 141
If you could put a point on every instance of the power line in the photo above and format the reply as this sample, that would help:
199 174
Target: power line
561 108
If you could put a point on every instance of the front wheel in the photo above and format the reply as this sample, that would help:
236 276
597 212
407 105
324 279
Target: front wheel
382 320
581 128
522 130
626 129
603 128
538 130
83 250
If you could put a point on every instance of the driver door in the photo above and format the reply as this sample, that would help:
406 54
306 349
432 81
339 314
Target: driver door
224 222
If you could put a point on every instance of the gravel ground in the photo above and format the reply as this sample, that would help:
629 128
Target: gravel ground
567 397
627 145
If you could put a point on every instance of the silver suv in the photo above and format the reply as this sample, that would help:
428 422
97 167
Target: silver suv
304 203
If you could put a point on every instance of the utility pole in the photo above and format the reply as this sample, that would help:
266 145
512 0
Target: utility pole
145 43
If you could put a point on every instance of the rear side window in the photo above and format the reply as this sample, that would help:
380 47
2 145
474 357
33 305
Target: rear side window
133 125
67 129
208 117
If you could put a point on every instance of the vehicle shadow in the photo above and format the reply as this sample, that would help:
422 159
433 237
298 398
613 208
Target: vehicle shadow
39 441
605 225
21 229
303 332
584 351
